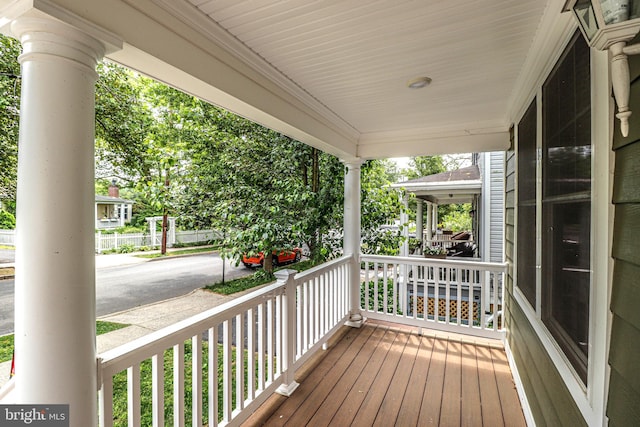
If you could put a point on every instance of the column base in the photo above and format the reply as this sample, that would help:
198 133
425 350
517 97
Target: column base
355 320
287 389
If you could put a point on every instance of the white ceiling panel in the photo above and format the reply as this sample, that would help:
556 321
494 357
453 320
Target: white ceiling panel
355 57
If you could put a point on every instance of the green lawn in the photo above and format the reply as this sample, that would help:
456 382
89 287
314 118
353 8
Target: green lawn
6 342
256 279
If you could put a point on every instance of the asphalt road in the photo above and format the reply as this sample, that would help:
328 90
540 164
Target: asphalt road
124 287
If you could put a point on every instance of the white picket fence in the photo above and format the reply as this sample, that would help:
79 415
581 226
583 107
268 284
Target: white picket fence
105 242
7 237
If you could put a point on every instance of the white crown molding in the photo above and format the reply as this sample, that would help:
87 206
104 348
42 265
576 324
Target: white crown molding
211 30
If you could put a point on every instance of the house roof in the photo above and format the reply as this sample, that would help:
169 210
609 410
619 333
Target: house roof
470 173
112 200
334 74
450 187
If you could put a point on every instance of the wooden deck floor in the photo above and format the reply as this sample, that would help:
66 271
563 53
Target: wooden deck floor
382 375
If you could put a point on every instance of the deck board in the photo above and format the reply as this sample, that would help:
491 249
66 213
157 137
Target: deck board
389 408
490 399
344 407
382 375
471 412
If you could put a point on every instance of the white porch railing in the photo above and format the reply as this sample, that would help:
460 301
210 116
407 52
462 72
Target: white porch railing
231 357
458 296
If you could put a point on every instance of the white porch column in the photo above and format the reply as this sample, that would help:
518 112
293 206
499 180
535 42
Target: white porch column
404 223
429 222
419 225
55 265
351 243
122 214
435 218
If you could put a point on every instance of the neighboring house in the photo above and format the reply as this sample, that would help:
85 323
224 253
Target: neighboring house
344 77
481 185
111 210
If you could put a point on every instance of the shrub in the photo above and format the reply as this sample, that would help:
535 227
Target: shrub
126 248
7 220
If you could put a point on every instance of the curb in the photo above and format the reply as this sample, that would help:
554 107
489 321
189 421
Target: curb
162 258
8 276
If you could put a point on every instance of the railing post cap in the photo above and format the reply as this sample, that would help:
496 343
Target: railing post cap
283 275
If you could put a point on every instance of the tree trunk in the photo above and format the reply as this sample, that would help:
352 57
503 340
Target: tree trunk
268 262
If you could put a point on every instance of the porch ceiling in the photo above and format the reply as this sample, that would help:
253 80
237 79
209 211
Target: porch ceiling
355 57
334 74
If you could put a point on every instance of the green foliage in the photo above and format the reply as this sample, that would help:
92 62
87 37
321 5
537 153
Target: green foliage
458 218
380 205
9 115
127 229
383 293
103 327
126 248
424 166
7 220
260 277
6 347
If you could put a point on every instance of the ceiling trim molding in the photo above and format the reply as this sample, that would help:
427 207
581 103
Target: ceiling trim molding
414 143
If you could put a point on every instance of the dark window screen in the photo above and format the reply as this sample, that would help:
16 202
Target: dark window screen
566 203
526 242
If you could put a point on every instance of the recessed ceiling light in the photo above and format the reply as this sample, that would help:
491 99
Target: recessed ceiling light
418 82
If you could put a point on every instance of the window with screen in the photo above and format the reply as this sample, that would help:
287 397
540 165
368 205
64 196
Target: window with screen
566 203
526 249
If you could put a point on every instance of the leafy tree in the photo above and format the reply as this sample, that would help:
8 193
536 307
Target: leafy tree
380 205
123 121
458 218
424 166
9 115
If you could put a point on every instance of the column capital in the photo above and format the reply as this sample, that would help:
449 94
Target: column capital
353 163
46 39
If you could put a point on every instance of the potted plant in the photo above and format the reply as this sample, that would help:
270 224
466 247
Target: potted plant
435 252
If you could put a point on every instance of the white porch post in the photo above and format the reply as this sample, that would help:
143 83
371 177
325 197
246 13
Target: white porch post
55 265
434 218
172 232
404 223
351 243
429 223
419 226
122 214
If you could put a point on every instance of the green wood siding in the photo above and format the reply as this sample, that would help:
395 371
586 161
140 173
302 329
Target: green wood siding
624 387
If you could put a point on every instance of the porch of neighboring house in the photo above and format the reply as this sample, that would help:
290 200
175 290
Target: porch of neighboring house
112 211
482 186
388 374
